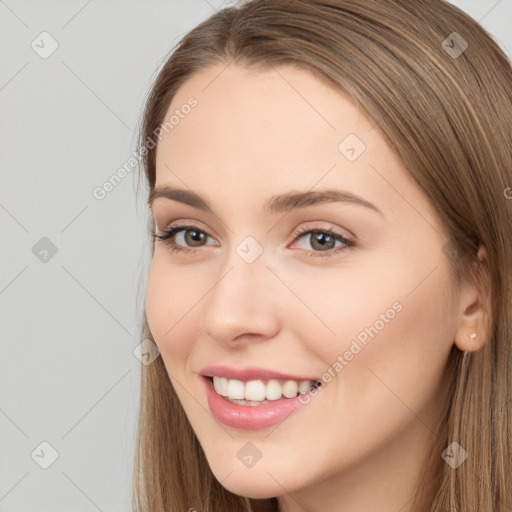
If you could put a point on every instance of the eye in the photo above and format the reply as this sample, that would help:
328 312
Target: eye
323 241
187 234
189 238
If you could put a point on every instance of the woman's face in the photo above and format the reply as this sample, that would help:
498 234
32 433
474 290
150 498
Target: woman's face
372 318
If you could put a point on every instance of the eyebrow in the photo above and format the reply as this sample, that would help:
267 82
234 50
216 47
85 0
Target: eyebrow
276 204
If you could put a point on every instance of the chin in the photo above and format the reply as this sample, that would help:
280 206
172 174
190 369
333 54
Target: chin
253 482
245 485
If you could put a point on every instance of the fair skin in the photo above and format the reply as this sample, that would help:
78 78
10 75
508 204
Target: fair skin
359 444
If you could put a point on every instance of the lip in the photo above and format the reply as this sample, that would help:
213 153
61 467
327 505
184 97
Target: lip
249 373
248 417
251 417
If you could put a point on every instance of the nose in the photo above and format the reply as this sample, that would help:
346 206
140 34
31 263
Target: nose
243 304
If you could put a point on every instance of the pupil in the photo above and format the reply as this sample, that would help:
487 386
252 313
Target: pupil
322 239
196 236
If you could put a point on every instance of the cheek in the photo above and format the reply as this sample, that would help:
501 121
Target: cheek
400 365
157 303
169 305
385 339
349 311
391 306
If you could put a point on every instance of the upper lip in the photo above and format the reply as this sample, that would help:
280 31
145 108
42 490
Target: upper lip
249 373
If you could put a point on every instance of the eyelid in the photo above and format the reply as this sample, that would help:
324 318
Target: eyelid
347 242
302 229
188 224
322 225
176 227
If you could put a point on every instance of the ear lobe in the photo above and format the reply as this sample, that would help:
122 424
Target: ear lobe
474 326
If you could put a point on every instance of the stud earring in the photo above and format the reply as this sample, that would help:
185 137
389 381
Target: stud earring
473 336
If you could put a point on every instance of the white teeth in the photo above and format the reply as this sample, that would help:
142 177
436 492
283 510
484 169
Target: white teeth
290 388
304 386
273 390
236 389
254 392
221 385
244 402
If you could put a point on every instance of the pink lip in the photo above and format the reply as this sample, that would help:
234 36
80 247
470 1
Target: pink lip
246 374
251 417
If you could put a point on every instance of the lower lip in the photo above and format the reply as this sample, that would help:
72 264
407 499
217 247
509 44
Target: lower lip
251 417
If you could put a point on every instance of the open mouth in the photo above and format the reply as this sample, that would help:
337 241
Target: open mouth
260 392
257 403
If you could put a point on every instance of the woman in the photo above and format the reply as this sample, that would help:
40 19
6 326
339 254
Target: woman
330 285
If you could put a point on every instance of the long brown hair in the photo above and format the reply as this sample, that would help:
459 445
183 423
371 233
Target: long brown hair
447 111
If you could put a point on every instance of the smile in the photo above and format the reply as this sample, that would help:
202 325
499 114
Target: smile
254 399
258 392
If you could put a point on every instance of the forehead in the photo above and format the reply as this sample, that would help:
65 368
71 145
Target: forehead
261 114
282 127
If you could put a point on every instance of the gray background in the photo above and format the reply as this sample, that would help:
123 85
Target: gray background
69 320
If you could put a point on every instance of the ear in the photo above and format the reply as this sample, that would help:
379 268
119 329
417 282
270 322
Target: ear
473 330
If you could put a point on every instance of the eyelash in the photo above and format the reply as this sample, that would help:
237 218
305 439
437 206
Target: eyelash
169 235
